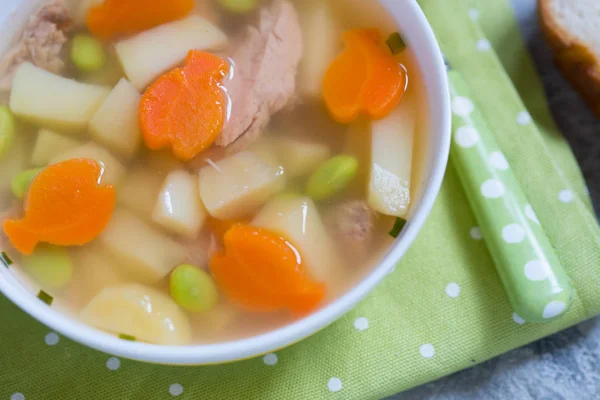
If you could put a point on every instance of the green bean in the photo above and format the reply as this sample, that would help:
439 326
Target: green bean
333 176
239 6
193 288
7 130
22 180
50 266
87 53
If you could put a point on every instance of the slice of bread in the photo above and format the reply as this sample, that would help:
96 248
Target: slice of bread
572 28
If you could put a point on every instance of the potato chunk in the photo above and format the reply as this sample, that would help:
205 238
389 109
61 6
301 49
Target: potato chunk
178 206
391 160
95 270
139 190
50 144
238 185
298 220
301 156
116 123
147 55
113 169
52 101
320 36
139 311
145 252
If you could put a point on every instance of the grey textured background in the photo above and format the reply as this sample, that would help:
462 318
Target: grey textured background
567 364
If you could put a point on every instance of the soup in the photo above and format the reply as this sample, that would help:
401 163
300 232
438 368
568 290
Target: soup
194 172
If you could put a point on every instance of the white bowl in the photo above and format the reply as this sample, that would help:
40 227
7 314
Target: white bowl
418 33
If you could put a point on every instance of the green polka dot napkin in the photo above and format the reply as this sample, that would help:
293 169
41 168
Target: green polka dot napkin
442 309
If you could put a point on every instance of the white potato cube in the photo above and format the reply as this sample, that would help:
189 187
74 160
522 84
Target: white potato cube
178 206
236 186
298 220
301 156
147 254
391 160
149 54
50 144
113 169
52 101
139 190
96 269
116 123
321 41
139 311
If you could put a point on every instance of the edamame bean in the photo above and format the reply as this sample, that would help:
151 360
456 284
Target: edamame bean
87 53
22 180
50 266
333 176
239 6
193 288
7 130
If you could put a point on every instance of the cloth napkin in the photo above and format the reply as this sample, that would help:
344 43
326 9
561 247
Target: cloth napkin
442 309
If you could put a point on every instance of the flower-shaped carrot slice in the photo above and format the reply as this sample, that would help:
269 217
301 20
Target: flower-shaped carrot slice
263 271
185 108
65 205
124 17
364 78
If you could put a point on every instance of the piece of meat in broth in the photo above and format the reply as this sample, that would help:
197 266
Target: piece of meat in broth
351 223
41 43
266 61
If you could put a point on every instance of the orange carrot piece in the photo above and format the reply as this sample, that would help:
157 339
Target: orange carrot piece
344 82
185 108
64 206
263 271
220 227
125 17
386 80
237 286
364 78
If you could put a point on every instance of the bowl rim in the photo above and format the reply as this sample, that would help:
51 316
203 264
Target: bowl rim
439 119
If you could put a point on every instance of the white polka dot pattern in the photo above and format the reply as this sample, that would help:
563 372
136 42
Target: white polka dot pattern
334 385
175 389
52 339
270 359
498 161
466 136
492 189
453 290
483 45
361 324
427 350
513 233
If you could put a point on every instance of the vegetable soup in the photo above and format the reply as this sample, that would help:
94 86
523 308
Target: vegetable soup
200 171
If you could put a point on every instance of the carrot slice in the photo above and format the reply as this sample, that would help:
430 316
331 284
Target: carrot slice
220 227
344 82
65 206
125 17
386 80
185 108
263 271
364 78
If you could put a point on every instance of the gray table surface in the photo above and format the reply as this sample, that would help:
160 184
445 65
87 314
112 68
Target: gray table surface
567 364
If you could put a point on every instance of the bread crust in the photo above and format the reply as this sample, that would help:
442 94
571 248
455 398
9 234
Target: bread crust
574 59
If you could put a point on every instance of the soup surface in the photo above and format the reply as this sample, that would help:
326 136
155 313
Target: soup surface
193 172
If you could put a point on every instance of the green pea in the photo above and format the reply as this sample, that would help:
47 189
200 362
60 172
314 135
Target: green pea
22 180
7 130
193 288
333 176
239 6
50 266
87 53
